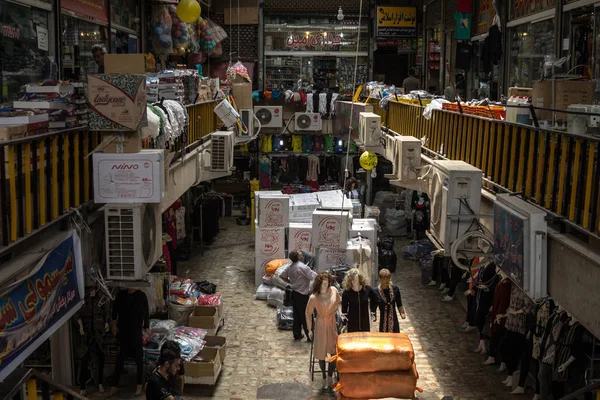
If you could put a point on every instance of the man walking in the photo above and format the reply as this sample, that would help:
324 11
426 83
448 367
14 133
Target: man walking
300 276
412 82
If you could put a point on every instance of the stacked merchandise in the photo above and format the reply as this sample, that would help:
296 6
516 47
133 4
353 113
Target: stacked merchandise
302 207
208 89
272 217
375 365
171 86
152 84
63 103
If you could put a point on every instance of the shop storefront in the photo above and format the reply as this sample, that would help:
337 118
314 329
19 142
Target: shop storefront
316 51
125 26
531 31
483 79
25 45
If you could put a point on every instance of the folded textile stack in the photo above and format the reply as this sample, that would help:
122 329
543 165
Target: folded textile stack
375 365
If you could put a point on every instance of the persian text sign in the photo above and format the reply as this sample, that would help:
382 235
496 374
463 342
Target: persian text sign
321 40
396 22
32 309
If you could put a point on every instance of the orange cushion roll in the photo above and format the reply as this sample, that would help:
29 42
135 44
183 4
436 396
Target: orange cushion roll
373 351
378 385
274 265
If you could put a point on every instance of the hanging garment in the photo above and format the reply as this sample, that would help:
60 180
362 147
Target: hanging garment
266 144
328 139
569 344
318 144
297 144
302 168
464 6
292 169
518 301
500 305
326 334
307 144
276 143
463 26
551 337
323 168
264 172
492 49
338 145
362 256
314 168
356 307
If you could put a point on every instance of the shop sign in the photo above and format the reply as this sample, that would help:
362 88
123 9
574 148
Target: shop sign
407 46
10 32
523 8
486 15
32 309
92 9
387 43
396 22
321 40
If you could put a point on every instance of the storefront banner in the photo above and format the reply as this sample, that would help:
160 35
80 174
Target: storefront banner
523 8
485 16
32 309
92 9
396 22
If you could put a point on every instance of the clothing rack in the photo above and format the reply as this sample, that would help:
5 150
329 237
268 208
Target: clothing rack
200 201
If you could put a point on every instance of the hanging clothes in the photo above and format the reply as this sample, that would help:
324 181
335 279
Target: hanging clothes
328 139
265 172
307 144
297 143
318 144
266 143
276 142
492 49
292 169
302 168
569 344
542 317
314 168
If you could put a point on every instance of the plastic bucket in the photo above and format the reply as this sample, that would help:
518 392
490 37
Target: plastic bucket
180 313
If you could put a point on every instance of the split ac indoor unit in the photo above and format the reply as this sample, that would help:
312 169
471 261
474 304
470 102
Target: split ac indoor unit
455 193
520 243
370 130
308 121
221 151
133 240
269 116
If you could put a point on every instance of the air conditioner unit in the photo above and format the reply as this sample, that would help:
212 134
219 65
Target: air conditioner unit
520 243
370 129
221 151
133 240
247 117
455 194
269 116
308 121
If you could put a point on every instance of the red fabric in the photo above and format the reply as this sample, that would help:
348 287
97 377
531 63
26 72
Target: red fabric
465 6
167 256
312 184
500 304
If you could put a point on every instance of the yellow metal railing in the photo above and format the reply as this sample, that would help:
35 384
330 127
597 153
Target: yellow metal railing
45 176
555 170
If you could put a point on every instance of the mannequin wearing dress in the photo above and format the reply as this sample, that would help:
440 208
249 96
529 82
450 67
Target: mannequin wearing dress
388 298
355 302
325 300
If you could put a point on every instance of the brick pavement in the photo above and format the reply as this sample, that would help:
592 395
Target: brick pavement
259 354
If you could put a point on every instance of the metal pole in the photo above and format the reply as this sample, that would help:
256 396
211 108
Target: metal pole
369 189
261 45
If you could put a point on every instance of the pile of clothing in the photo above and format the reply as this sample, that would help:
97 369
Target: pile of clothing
190 340
187 292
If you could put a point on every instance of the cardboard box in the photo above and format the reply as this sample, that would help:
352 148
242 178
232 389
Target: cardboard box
273 211
242 94
327 258
330 229
269 243
566 92
122 142
124 64
129 178
117 102
217 342
205 318
520 91
204 372
247 16
300 237
11 132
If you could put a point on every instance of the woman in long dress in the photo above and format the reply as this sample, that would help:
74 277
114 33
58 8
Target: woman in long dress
325 300
388 298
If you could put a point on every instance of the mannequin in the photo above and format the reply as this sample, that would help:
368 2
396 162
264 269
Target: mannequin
549 351
388 298
325 300
542 317
516 346
484 298
355 302
500 304
92 320
130 316
420 208
569 369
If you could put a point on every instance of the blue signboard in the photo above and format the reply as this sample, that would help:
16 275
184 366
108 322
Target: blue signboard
32 309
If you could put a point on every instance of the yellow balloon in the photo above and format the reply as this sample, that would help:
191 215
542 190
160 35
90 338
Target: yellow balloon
368 160
188 10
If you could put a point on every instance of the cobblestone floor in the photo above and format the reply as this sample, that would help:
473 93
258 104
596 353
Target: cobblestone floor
260 355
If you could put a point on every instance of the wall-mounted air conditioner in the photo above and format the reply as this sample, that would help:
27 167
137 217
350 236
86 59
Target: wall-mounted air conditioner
269 116
221 151
370 130
308 121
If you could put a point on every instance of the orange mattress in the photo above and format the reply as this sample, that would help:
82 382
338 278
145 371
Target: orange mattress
377 385
373 351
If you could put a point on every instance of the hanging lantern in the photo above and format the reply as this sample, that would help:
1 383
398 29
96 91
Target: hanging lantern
368 160
188 10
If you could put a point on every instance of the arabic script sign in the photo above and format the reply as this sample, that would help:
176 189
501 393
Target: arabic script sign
32 309
321 40
396 22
